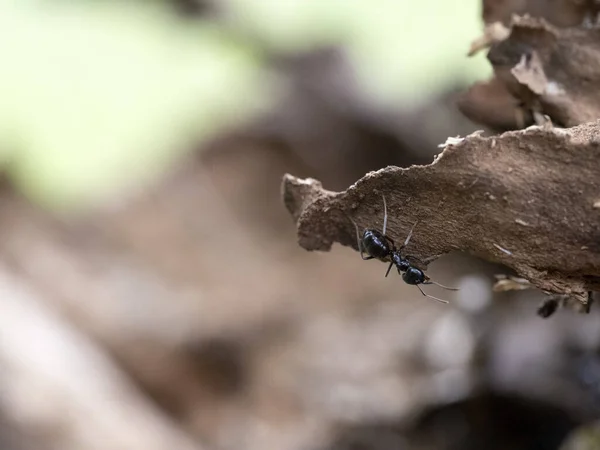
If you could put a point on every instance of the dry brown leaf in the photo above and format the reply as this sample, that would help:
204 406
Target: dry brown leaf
490 103
562 13
524 199
529 72
553 71
493 32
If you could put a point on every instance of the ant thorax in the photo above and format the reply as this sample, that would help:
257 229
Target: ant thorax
400 262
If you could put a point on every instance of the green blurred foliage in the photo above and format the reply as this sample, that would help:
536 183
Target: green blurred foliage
586 437
403 51
101 96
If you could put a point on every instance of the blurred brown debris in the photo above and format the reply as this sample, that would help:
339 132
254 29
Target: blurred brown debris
562 13
493 32
197 290
491 103
554 71
539 69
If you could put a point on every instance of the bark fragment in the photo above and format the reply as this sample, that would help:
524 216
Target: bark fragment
476 197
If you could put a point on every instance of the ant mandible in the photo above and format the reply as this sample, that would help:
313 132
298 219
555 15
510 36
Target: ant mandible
378 245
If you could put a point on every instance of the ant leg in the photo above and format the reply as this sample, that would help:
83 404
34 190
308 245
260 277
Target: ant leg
424 261
362 255
431 296
590 301
409 235
389 268
384 214
430 259
441 285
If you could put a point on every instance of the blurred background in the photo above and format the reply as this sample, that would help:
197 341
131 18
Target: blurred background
152 292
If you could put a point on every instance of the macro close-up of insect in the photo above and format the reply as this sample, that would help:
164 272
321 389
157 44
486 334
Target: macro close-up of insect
188 184
378 245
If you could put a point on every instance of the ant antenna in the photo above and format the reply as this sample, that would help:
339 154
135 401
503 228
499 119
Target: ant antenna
442 286
384 214
431 296
410 233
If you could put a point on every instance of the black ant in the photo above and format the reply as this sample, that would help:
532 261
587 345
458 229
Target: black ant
378 245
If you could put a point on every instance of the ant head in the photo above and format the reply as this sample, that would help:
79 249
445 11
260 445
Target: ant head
413 276
401 264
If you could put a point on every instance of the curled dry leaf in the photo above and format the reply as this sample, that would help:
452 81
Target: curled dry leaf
493 32
562 13
490 103
553 71
539 70
524 199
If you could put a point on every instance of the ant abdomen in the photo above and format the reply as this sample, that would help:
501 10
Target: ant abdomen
376 245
